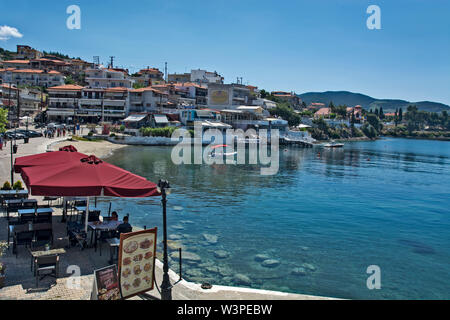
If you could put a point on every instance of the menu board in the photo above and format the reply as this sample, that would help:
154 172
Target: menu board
137 262
107 283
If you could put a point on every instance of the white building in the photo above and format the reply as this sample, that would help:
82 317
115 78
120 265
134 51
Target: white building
63 102
108 78
146 100
203 76
265 103
109 104
32 77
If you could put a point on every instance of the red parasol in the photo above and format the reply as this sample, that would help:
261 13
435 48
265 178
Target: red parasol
66 155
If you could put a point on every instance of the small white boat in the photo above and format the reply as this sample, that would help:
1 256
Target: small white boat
333 144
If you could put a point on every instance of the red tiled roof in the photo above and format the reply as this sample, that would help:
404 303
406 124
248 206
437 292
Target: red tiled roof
67 87
17 61
6 86
147 89
34 71
323 112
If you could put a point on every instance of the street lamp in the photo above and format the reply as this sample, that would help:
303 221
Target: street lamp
166 286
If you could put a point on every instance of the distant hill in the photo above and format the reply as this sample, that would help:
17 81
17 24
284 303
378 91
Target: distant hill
352 99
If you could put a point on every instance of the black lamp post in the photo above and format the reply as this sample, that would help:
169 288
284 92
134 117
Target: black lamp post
166 286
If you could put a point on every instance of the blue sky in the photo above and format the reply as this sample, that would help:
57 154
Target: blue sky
296 45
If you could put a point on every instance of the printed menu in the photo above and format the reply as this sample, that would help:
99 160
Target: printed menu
137 262
107 283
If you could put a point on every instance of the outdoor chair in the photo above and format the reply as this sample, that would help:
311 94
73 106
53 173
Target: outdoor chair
25 218
50 200
22 239
45 264
94 216
104 235
12 223
44 218
76 234
43 237
28 205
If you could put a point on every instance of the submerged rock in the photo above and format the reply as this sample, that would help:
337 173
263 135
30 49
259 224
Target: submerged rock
299 271
261 257
174 245
221 254
187 257
271 263
175 236
211 239
308 266
242 279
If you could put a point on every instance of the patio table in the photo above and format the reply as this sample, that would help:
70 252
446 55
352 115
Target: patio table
114 244
103 226
43 253
31 211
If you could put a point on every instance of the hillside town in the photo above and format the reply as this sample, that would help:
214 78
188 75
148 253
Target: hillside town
43 87
49 88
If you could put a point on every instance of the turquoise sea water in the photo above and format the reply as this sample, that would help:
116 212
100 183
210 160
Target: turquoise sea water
333 215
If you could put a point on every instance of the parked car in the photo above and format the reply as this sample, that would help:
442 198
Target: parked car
30 133
14 135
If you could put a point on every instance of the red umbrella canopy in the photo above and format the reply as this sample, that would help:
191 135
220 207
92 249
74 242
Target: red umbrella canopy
64 156
87 177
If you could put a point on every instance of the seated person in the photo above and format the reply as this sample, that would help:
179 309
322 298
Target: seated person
125 227
114 216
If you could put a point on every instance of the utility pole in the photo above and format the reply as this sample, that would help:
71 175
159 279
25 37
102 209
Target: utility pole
103 108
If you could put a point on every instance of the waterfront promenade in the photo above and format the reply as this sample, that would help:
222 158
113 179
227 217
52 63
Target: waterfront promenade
20 282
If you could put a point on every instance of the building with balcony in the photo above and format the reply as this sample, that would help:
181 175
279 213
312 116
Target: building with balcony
108 78
194 91
289 97
149 77
63 102
16 64
50 64
181 77
147 99
32 77
97 104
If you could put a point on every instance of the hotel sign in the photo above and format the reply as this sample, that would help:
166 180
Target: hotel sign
219 97
137 253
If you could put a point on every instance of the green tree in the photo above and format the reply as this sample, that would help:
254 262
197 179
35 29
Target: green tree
400 115
3 119
381 115
374 121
